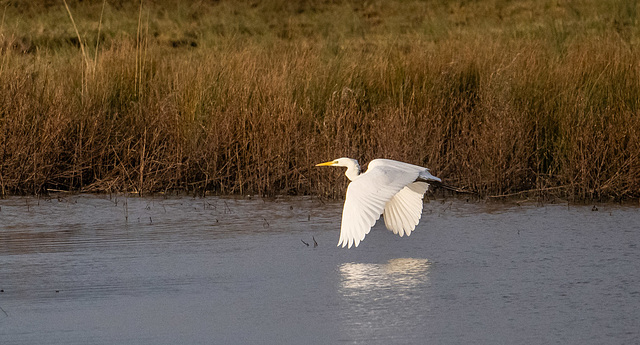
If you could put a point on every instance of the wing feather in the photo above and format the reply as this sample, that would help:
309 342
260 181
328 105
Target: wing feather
395 217
405 216
402 208
405 209
390 218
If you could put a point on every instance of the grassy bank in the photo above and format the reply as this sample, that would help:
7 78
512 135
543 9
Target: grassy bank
245 97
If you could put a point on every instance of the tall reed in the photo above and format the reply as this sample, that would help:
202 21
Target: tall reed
249 105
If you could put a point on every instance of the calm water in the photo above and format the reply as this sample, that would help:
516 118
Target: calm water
100 270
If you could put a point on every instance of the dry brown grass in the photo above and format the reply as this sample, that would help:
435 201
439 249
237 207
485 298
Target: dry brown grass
497 106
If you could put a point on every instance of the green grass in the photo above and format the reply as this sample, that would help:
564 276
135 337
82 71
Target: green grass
235 97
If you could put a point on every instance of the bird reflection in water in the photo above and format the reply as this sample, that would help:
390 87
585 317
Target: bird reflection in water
397 274
383 303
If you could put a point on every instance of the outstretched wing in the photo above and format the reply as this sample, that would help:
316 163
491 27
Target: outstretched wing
402 213
368 194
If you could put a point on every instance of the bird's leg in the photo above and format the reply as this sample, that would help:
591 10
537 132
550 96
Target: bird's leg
439 184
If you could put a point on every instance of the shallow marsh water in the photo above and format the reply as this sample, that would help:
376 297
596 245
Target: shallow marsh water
104 270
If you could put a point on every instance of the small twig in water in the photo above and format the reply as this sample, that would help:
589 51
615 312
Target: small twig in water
305 243
227 208
5 313
315 244
126 210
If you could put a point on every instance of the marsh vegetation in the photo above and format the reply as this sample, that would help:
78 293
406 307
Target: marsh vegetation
233 97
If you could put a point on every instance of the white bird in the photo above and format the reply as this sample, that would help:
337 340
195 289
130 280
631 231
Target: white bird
388 187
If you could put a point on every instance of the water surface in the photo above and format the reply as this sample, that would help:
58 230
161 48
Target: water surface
104 270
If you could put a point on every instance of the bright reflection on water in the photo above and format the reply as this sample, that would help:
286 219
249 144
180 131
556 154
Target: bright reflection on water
400 274
377 299
88 269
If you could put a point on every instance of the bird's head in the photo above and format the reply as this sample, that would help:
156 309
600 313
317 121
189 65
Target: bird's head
340 162
353 168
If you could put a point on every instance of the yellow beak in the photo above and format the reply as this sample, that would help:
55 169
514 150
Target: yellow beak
326 164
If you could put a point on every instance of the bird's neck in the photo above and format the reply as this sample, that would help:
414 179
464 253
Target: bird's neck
353 171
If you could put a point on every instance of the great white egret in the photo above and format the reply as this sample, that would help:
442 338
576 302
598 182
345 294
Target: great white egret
388 187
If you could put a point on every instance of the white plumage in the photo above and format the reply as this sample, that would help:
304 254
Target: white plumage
388 187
